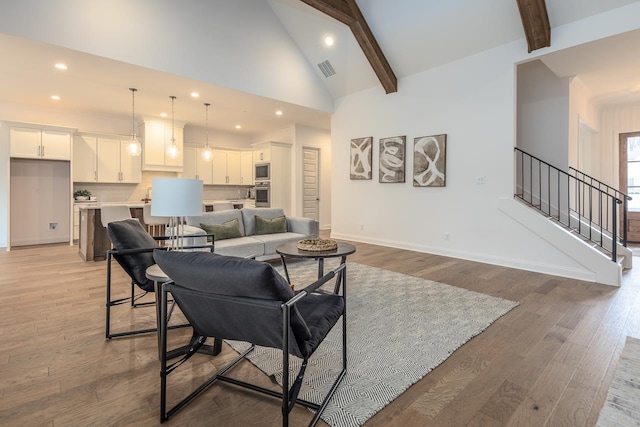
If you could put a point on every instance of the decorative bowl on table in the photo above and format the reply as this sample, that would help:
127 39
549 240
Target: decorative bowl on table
317 245
82 198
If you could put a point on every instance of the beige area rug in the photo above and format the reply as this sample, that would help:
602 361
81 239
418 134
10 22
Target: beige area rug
622 406
399 329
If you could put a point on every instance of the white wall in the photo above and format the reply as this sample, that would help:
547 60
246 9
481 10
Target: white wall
473 102
196 136
614 121
239 44
583 122
543 113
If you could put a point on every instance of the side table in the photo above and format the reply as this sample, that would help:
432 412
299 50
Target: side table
290 250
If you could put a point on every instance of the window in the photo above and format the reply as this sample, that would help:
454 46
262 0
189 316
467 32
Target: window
633 171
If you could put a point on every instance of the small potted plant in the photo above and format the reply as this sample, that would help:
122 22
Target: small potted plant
81 194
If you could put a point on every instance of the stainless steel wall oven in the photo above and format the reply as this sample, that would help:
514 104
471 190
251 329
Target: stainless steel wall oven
263 194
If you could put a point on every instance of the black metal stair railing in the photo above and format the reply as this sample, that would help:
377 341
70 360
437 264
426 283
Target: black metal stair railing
573 202
609 190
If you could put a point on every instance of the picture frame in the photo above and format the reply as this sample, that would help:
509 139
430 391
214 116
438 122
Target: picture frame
392 159
360 151
429 161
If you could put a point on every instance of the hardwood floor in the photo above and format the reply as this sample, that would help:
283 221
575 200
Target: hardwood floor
547 362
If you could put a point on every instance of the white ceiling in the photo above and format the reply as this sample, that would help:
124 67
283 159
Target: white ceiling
415 35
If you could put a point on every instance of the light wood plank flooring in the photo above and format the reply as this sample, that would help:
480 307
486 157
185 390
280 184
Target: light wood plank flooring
547 362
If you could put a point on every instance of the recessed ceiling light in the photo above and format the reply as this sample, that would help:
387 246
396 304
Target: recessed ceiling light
238 127
195 94
163 114
328 40
61 66
278 113
55 97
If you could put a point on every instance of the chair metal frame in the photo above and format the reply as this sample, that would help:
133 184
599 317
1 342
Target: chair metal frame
133 298
290 398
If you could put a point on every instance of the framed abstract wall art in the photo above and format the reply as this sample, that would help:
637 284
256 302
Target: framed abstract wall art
392 159
361 158
429 161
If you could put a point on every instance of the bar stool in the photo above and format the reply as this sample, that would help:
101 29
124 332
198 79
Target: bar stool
111 213
155 224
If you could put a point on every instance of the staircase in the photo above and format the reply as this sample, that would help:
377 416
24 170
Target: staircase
584 207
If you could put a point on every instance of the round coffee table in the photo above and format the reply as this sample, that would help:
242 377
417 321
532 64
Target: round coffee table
290 250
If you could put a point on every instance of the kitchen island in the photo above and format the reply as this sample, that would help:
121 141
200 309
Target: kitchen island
93 240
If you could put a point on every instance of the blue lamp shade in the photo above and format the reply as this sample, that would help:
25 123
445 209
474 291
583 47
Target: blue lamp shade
176 197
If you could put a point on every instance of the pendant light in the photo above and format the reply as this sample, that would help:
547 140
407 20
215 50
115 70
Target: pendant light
133 147
207 153
173 150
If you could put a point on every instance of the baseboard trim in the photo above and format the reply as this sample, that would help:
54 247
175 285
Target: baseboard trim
473 256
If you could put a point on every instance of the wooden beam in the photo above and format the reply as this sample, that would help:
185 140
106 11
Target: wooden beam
348 12
536 23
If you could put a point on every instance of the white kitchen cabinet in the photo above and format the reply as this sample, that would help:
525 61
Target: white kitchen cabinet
190 166
246 168
262 154
227 167
195 167
85 164
34 143
115 164
219 161
155 148
104 158
234 168
76 222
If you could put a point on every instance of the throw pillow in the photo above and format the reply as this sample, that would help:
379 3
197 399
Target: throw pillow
226 230
270 226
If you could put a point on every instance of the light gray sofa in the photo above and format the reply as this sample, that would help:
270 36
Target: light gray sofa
262 246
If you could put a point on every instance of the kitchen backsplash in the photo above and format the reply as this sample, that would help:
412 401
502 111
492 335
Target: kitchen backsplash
137 192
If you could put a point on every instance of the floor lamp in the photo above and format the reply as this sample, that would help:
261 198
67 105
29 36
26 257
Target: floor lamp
176 198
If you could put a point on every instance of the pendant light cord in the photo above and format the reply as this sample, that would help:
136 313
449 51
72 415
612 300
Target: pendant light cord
206 120
173 139
133 112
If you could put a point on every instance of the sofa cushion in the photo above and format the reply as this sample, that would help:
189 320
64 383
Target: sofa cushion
226 230
240 246
272 241
270 226
249 214
219 217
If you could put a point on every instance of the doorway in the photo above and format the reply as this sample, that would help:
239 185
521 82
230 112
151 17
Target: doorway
630 180
311 183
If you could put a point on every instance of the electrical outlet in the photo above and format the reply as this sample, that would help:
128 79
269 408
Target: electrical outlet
53 225
361 227
446 236
479 180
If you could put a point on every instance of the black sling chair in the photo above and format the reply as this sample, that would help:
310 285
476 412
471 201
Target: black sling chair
247 300
133 250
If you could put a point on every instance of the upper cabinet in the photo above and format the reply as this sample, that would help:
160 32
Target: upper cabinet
104 158
246 168
262 154
226 167
40 143
155 148
195 167
85 152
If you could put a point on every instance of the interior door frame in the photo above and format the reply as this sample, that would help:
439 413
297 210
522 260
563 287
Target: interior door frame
319 177
622 176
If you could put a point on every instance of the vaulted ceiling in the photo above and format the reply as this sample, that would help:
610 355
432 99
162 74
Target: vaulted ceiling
413 35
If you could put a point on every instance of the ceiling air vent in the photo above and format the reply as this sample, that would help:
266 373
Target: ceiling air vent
327 68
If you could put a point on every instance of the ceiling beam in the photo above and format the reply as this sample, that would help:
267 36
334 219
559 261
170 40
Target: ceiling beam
536 23
348 12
